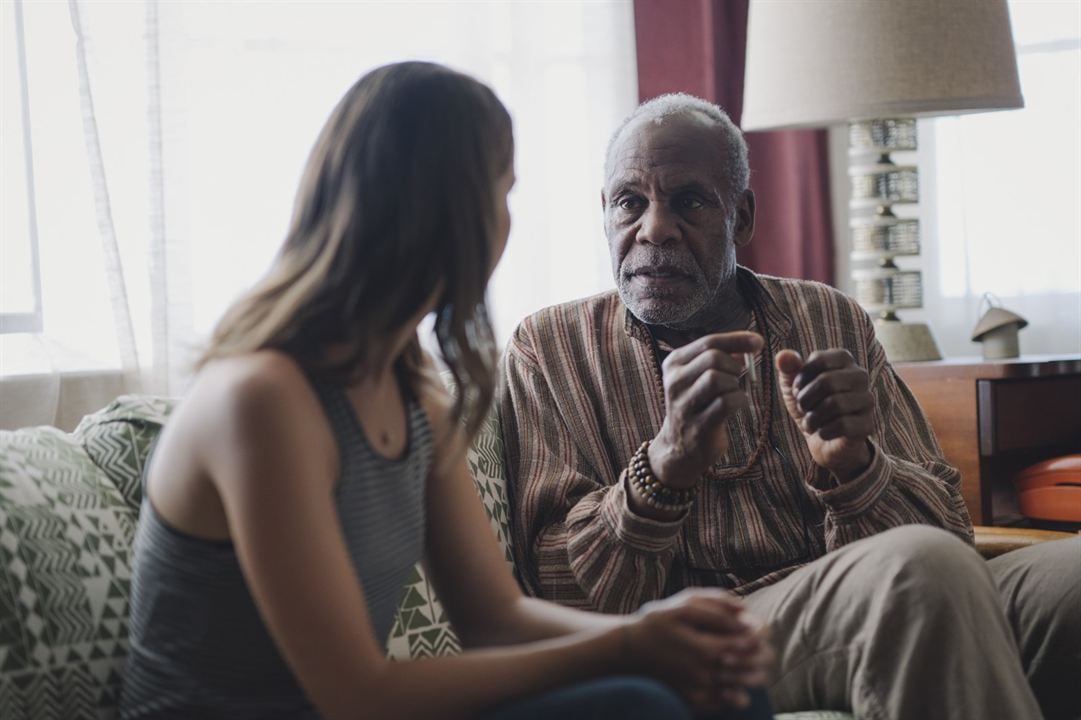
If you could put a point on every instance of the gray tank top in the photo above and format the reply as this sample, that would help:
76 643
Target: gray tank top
198 647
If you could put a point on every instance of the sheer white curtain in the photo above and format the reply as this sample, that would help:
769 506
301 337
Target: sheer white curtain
168 139
999 201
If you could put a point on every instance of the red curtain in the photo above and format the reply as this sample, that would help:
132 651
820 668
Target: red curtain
698 47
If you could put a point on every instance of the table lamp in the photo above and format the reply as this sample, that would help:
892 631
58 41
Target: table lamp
878 65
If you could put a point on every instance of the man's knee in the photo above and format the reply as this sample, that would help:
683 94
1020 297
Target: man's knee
923 560
923 546
882 580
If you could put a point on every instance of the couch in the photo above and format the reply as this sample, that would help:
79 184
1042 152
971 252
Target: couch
69 505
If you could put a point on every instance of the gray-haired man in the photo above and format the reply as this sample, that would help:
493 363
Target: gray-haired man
641 461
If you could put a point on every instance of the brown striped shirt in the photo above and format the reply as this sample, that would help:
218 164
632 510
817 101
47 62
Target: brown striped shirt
583 390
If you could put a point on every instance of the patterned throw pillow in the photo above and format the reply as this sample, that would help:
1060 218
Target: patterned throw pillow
65 573
485 460
118 439
421 628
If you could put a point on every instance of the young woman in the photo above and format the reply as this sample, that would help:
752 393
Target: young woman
317 458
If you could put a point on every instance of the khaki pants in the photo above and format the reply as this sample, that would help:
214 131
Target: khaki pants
1040 588
913 624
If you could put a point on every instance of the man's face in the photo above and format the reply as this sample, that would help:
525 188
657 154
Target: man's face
670 233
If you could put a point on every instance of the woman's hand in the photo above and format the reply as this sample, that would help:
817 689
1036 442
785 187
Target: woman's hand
703 644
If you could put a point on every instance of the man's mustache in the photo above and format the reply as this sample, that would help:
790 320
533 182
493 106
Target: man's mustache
654 262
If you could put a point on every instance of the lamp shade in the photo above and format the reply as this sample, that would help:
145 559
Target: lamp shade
820 62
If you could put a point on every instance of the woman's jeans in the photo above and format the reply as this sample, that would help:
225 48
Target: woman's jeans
619 698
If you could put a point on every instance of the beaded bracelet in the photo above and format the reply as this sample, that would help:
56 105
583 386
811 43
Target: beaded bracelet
651 489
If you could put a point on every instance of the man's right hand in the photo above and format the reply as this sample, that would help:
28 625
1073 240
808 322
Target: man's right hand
701 390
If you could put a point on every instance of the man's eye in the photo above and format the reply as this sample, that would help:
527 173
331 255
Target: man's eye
630 203
691 202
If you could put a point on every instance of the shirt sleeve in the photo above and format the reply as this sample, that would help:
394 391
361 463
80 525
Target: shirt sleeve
908 480
576 540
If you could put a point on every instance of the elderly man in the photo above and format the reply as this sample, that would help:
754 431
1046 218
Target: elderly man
644 456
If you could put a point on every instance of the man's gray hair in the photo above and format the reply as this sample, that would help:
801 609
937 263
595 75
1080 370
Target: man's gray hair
737 170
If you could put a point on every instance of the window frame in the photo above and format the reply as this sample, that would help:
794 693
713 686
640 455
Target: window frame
33 321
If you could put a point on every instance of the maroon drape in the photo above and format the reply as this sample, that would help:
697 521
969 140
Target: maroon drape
698 47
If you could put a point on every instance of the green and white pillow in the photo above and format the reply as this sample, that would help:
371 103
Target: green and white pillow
421 628
487 465
118 439
65 574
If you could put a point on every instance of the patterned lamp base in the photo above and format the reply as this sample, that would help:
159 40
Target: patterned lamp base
906 342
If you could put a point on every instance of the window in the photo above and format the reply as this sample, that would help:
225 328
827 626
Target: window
1000 196
20 286
168 140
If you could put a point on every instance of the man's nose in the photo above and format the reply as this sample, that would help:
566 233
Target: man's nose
658 225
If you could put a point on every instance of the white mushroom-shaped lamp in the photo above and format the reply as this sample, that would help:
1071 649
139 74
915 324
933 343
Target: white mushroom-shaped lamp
997 332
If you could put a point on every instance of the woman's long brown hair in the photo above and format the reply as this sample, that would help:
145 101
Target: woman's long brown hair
397 202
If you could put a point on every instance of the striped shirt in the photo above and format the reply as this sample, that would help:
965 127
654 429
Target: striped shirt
583 389
199 647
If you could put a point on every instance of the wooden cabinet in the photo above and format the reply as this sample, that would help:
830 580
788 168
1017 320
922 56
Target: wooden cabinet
996 417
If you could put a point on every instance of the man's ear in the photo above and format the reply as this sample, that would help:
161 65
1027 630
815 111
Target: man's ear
604 201
744 230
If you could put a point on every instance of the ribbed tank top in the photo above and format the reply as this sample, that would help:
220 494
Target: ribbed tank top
198 647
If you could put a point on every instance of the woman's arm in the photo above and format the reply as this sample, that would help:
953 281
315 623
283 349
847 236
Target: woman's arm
467 568
276 485
464 561
486 606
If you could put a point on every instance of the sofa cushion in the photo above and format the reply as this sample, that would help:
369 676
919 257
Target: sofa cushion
421 628
485 460
118 439
65 572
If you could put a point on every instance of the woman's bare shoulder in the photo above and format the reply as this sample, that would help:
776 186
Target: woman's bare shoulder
262 398
242 419
265 370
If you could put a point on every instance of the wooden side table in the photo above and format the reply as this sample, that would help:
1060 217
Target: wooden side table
995 417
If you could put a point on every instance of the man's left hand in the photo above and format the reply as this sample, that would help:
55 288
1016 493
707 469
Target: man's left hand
829 397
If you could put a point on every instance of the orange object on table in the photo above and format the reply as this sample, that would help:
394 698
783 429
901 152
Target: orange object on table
1051 490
